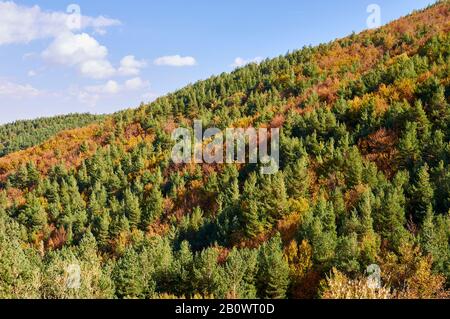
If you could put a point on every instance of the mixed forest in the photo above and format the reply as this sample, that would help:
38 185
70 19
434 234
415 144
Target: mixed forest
24 134
364 179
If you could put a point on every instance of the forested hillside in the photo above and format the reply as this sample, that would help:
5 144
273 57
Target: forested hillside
24 134
364 179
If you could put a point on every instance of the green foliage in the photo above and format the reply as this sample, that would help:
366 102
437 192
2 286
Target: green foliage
365 158
273 272
23 134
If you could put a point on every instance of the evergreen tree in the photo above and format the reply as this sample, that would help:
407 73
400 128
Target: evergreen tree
127 275
273 273
101 230
240 273
274 197
182 271
249 208
207 274
153 207
369 239
33 213
297 179
354 167
132 209
409 151
422 193
347 254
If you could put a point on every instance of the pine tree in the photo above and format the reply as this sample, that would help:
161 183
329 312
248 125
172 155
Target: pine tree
101 230
132 209
33 175
182 271
127 275
20 267
33 213
420 118
422 193
369 239
249 208
153 207
240 273
347 254
274 201
297 179
319 228
354 167
409 151
207 274
273 274
391 219
428 232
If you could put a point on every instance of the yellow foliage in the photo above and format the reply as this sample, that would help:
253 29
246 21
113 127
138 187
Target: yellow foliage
338 286
299 258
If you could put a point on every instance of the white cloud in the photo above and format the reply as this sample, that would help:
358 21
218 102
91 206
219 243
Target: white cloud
110 87
239 62
14 90
130 66
175 60
99 23
97 69
91 95
73 49
21 24
86 98
31 73
82 51
70 45
136 84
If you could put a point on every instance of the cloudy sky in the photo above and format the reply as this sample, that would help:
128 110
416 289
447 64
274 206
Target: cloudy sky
101 56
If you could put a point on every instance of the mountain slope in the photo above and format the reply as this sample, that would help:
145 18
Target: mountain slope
24 134
364 179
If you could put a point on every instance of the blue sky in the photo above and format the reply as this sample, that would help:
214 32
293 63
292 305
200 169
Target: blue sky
125 52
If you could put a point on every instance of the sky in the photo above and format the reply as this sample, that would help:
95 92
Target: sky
59 57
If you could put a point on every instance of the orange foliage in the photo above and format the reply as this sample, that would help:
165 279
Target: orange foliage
379 148
63 148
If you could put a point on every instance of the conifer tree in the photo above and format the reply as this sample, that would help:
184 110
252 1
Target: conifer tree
127 275
274 202
273 274
347 253
409 151
207 274
182 271
354 167
249 208
240 273
422 193
297 179
132 209
369 239
153 207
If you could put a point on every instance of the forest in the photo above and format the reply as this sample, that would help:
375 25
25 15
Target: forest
24 134
364 179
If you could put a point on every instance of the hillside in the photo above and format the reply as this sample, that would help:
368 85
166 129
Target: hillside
24 134
364 179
